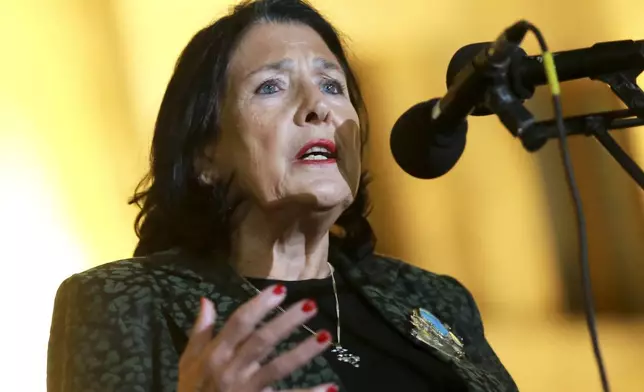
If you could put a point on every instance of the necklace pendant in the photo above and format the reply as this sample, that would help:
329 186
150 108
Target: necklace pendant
343 355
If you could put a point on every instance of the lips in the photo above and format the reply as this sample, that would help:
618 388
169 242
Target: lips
317 152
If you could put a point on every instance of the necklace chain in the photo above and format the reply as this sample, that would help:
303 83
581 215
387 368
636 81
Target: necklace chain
342 354
337 305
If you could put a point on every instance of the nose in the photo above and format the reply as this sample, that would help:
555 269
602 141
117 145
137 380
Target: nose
314 109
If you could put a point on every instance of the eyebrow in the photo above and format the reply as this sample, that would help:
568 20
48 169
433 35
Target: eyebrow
287 64
327 65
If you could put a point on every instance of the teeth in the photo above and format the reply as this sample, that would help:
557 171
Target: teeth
317 149
315 158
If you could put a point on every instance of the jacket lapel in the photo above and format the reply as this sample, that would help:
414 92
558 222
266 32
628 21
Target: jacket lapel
376 280
185 278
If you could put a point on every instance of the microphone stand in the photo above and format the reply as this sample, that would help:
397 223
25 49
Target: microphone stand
505 99
534 135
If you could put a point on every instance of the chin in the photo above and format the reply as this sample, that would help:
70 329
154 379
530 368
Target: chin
327 196
325 203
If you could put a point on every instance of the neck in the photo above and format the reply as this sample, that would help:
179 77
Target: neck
280 246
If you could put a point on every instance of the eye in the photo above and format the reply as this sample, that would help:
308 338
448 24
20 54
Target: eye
332 86
269 87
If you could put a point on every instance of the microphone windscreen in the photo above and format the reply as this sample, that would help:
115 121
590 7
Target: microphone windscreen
420 149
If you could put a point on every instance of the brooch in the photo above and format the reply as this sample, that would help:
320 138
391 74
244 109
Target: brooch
428 329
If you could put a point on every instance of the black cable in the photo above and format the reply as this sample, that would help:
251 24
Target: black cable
574 190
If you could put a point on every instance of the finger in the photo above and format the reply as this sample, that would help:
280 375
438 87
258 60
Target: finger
286 363
262 341
241 324
319 388
248 372
202 331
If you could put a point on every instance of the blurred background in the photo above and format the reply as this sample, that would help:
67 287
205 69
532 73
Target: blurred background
80 85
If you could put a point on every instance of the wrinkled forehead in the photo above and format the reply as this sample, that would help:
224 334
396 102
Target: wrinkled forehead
280 46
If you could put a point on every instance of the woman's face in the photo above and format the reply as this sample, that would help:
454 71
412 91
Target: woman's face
289 132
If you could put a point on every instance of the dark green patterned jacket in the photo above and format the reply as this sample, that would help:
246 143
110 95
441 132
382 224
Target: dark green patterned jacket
122 326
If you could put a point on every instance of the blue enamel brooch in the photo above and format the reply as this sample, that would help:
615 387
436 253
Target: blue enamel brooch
428 329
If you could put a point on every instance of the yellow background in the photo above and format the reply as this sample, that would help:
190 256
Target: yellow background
80 84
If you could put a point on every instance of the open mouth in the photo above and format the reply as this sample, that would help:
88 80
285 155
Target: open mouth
317 151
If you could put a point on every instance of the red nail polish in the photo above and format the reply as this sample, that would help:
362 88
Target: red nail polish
332 388
309 306
279 289
323 337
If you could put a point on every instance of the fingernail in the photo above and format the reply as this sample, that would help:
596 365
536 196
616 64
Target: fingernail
202 303
308 306
323 337
332 388
279 289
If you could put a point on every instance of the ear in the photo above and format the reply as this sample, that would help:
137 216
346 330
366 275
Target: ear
204 166
338 231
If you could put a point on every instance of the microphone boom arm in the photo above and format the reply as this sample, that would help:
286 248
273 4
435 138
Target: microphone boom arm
624 86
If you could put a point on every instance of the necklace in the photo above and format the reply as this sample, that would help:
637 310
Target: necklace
342 354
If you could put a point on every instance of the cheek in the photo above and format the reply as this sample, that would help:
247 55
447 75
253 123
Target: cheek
263 139
264 159
250 134
258 156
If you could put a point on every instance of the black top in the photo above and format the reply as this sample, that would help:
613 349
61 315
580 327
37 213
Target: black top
388 362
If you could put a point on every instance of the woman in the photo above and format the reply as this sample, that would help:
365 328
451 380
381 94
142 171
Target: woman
237 283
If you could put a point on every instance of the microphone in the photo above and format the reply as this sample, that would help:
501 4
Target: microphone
526 72
429 138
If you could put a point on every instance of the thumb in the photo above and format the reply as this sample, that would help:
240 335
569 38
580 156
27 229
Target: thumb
202 331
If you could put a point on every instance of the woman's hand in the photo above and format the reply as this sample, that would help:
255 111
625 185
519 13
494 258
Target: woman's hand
231 360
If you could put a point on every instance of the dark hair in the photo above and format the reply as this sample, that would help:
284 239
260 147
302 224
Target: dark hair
176 209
